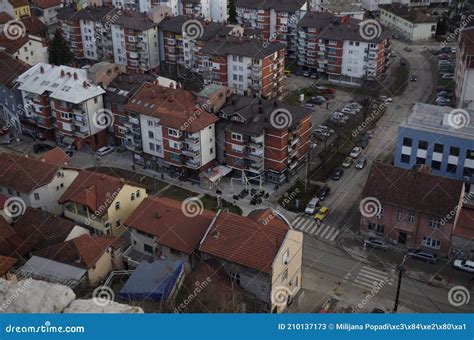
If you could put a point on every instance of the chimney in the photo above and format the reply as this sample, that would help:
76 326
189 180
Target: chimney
102 177
130 80
157 215
41 69
75 76
171 98
62 74
153 94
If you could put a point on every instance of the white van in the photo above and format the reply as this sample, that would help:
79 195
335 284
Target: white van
312 206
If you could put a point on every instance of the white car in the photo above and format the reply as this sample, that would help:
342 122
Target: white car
104 150
312 206
324 127
356 152
465 265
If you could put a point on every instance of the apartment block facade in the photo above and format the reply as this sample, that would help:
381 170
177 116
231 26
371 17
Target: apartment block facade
333 46
62 104
464 74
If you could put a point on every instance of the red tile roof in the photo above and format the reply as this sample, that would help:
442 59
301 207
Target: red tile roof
164 218
11 244
41 229
465 223
83 251
34 25
18 3
12 46
94 190
10 69
46 3
6 264
4 18
267 216
34 173
244 241
56 156
412 189
176 108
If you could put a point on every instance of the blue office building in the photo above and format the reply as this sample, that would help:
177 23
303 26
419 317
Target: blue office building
433 136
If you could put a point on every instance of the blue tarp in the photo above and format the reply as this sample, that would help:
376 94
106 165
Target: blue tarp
152 280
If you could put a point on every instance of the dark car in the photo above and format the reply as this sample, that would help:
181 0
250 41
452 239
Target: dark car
323 193
422 255
376 243
414 78
337 174
403 62
316 101
42 147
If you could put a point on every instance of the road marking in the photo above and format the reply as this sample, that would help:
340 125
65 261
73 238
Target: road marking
330 233
309 227
319 230
370 274
303 225
314 228
334 236
295 222
325 231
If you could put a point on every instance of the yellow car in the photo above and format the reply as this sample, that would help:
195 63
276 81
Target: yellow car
322 213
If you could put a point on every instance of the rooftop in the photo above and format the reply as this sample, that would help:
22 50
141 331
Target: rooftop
413 15
11 46
4 18
211 29
46 3
11 244
62 82
34 25
10 69
437 119
33 172
244 241
6 264
55 156
18 3
164 218
125 86
277 5
241 46
413 189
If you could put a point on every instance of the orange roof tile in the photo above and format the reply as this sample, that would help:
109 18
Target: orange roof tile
6 263
56 156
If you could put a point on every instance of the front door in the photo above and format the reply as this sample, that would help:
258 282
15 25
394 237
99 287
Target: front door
402 237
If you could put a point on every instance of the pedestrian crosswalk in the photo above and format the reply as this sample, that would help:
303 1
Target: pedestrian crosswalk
369 278
308 225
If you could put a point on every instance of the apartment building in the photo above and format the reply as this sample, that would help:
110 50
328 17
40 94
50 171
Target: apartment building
176 135
408 214
464 74
255 146
46 10
29 49
11 101
276 21
179 48
410 23
41 183
430 136
16 8
334 47
128 38
248 66
268 261
62 104
100 202
462 241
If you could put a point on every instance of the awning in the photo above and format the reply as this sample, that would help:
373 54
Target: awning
214 174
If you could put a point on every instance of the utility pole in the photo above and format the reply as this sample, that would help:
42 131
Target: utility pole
397 296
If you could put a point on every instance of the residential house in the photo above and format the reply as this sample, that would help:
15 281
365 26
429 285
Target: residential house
11 244
256 145
464 74
276 21
334 46
263 257
46 10
85 259
41 229
176 135
462 241
430 136
29 48
413 207
11 101
62 104
34 26
248 66
159 228
41 184
6 266
4 19
21 8
56 156
101 202
410 23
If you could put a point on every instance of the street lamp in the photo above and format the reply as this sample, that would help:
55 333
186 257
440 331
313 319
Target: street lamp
401 270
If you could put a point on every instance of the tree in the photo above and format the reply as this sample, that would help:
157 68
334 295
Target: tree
59 51
232 12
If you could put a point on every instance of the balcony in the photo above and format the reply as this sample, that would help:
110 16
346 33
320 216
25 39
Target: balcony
193 139
190 152
190 163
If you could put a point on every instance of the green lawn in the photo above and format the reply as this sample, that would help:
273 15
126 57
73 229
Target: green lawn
210 203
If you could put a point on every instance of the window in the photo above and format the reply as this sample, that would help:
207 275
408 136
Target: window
132 196
438 148
138 193
376 228
152 147
117 206
452 168
434 223
407 141
237 136
148 249
118 223
454 151
284 276
436 165
150 122
96 100
211 151
37 196
175 157
423 145
400 215
405 158
420 160
431 242
411 217
286 257
380 214
151 134
173 132
235 277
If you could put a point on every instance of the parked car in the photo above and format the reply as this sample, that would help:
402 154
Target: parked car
337 174
403 62
465 265
324 127
7 140
322 213
414 78
306 74
422 255
351 111
311 206
309 106
337 121
347 162
360 164
370 133
385 99
375 242
356 152
314 76
104 150
407 49
323 193
448 76
321 132
41 147
363 142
